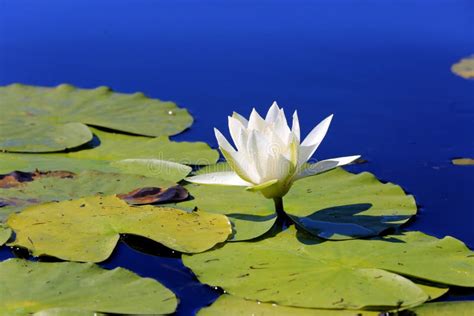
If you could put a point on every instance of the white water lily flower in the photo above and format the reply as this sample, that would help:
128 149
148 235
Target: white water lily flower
269 155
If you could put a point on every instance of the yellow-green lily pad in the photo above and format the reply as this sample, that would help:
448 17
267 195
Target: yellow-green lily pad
54 288
88 229
232 305
463 162
152 157
341 205
145 167
5 234
296 269
464 68
67 312
86 183
42 119
454 308
115 146
251 214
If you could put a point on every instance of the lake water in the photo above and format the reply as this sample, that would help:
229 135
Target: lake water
382 67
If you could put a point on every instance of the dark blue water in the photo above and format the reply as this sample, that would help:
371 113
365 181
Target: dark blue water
382 67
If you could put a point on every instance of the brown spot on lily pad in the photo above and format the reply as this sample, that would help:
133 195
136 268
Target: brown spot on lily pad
463 161
16 178
154 195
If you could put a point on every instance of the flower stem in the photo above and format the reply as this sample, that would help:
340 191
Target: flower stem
279 206
283 220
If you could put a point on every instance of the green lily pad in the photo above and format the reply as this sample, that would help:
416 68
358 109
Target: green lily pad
41 119
86 183
232 305
152 157
295 269
455 308
115 146
29 287
251 214
88 229
340 205
150 168
66 312
5 234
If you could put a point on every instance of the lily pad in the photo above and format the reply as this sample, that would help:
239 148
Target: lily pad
152 157
251 214
153 168
341 205
67 312
296 269
464 68
88 229
41 119
455 308
16 178
29 287
115 146
150 167
5 234
232 305
463 162
47 189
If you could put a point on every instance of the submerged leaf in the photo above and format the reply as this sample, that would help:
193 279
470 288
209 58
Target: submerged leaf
47 189
341 205
296 269
29 287
155 195
41 119
88 229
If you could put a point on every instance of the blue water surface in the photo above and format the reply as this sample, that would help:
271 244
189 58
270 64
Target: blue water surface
382 67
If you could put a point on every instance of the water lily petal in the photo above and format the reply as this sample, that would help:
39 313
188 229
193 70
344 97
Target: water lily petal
262 186
324 165
257 150
272 113
236 129
256 121
314 139
236 160
317 134
241 119
281 128
223 142
295 126
219 178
